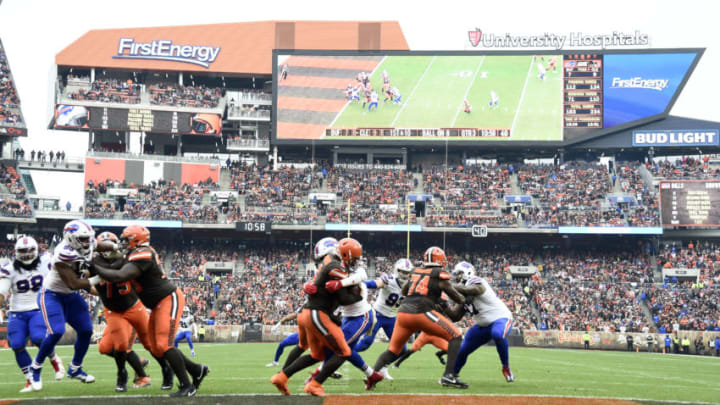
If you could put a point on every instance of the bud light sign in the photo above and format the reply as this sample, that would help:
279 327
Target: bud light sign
689 137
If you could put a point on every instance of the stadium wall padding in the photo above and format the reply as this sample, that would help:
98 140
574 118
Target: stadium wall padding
193 173
134 172
173 171
99 170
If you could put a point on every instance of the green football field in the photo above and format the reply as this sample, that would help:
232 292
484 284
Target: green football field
433 89
240 369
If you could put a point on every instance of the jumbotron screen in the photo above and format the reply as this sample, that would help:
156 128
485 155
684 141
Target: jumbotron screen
426 96
690 203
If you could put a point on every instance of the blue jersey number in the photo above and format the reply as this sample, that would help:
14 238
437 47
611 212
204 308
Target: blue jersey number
393 299
35 283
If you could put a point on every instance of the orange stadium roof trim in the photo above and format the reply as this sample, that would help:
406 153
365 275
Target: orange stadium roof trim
231 48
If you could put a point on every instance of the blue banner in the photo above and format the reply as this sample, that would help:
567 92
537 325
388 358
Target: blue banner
611 230
526 199
679 137
624 199
373 227
637 86
419 197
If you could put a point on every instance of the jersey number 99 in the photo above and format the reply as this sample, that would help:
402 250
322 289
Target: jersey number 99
35 283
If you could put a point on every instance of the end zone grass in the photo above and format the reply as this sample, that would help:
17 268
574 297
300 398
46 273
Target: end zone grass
240 369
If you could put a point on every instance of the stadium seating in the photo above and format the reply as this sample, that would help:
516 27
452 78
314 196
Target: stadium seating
109 91
9 101
184 96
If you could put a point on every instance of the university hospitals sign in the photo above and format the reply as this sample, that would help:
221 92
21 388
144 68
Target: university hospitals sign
168 51
616 39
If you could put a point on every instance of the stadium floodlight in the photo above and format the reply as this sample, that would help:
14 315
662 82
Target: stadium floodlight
479 231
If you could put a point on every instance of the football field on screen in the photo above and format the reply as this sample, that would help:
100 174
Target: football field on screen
239 369
433 89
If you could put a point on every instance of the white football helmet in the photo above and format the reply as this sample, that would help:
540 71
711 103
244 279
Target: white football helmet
324 247
26 250
465 270
79 235
402 269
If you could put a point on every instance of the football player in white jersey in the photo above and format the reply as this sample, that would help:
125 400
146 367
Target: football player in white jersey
60 302
187 330
22 278
493 320
358 318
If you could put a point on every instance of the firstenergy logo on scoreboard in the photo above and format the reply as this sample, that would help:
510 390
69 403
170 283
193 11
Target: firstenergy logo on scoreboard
639 83
688 137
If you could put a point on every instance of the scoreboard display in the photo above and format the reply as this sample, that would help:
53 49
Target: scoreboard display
690 203
582 91
444 96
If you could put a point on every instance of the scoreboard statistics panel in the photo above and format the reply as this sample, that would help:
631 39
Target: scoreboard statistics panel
582 91
405 96
690 203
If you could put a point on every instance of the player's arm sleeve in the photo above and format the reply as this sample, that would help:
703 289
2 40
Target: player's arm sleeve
129 271
448 288
373 284
5 285
355 278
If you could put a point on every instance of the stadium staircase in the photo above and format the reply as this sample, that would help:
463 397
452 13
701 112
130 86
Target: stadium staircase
420 189
647 313
224 180
28 181
515 188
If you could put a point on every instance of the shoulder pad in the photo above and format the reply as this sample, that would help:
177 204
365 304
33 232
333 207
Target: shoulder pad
140 254
474 280
443 275
4 272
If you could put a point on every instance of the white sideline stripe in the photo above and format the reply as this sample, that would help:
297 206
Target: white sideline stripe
350 101
522 96
407 100
435 394
452 125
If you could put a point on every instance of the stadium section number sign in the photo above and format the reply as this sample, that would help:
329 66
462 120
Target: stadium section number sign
253 226
690 203
479 231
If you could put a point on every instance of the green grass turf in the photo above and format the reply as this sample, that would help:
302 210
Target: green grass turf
433 89
240 368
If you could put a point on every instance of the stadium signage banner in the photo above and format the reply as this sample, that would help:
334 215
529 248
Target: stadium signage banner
13 131
165 50
373 227
685 137
610 230
558 41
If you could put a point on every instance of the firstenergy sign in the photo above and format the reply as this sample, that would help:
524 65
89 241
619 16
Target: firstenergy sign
168 51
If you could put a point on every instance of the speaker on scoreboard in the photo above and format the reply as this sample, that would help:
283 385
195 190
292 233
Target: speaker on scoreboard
419 209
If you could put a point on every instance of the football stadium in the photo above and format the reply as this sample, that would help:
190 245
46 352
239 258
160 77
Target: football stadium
313 212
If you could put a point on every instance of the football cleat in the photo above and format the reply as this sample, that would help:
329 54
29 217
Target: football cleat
168 377
36 378
312 375
79 374
142 382
315 389
192 353
440 354
336 375
197 379
509 377
144 363
371 381
185 391
280 381
121 383
57 364
272 364
451 380
27 388
386 375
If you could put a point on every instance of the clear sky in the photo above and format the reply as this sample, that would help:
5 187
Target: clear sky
33 31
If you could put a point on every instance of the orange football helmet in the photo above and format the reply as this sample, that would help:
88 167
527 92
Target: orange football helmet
434 256
350 250
134 236
109 237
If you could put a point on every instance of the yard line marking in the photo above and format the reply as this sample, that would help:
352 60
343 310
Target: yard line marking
467 91
522 96
407 100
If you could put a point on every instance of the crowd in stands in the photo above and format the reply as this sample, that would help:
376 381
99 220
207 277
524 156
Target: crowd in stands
109 91
477 187
365 215
687 167
10 183
156 201
185 96
573 185
627 266
704 256
676 307
460 219
263 186
9 100
370 188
